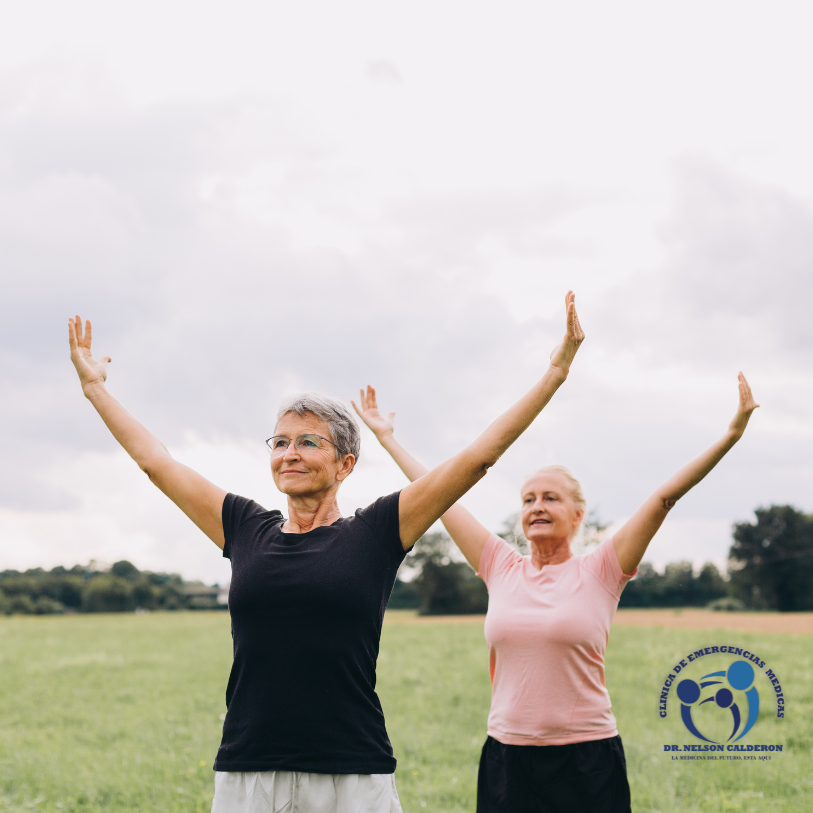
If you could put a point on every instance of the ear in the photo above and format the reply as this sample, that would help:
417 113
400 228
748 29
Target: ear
577 520
348 462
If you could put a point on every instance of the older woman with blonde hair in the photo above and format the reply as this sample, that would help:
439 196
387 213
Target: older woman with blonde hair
553 745
304 729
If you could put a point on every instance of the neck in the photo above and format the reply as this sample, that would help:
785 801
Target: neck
313 511
550 552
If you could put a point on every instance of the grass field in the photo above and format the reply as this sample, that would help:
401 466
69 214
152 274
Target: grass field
123 713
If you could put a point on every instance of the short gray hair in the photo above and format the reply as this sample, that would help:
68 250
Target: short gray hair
344 431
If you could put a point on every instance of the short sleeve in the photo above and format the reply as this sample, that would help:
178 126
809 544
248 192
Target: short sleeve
382 518
604 565
236 512
497 556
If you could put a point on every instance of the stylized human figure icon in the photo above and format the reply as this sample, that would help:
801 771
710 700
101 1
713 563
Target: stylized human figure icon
740 676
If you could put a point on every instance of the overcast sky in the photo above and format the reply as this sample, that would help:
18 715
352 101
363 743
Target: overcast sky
251 199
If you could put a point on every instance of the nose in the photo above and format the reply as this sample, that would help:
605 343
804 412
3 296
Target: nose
291 453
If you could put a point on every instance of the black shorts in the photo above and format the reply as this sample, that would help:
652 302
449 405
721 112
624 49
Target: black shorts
581 777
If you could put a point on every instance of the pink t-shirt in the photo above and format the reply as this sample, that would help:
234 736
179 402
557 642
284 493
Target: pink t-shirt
546 632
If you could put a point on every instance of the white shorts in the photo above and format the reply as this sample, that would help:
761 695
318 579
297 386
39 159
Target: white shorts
294 792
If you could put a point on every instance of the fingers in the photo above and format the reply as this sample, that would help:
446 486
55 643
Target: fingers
371 399
358 411
746 396
88 333
71 334
574 328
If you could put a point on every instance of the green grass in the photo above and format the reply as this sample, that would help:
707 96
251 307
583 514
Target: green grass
122 713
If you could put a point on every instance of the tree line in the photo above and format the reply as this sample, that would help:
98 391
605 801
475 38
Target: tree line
770 567
121 588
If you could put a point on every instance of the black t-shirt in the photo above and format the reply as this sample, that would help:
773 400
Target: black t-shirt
306 614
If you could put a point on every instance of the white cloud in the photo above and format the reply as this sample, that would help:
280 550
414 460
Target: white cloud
246 212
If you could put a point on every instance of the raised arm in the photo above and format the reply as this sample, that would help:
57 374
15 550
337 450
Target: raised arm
199 499
466 532
434 493
633 539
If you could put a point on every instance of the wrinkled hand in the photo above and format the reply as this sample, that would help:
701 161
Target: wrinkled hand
746 406
371 416
90 371
563 355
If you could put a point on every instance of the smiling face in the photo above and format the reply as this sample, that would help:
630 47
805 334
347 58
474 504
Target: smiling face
549 515
307 472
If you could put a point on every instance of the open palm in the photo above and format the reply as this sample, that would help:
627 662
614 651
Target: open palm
89 369
565 352
370 414
746 406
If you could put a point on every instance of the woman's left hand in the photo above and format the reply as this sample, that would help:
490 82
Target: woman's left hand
746 407
370 414
564 353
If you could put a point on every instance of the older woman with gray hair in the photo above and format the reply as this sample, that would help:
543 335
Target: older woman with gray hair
304 730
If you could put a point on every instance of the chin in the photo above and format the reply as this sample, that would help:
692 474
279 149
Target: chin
292 487
545 533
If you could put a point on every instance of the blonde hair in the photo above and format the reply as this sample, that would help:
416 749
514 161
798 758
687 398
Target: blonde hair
574 487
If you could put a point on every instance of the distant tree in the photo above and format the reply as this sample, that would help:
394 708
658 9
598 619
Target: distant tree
21 584
710 586
45 605
403 596
450 589
108 594
125 570
434 547
443 585
771 560
94 589
146 594
645 590
22 604
69 590
678 585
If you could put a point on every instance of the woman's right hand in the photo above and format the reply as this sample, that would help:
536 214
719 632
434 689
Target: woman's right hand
564 353
89 370
371 416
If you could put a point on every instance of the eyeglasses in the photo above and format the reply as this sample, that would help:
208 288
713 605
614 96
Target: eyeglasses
279 443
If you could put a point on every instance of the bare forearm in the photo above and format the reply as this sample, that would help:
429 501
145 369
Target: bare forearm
632 541
692 473
493 443
411 467
437 491
466 532
133 436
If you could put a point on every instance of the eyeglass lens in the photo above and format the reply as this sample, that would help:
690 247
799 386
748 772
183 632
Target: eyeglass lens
279 443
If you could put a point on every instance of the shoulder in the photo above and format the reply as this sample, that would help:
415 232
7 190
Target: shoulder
381 520
603 564
238 513
239 509
382 511
497 557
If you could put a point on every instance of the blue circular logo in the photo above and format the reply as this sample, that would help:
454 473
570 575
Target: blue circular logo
740 677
